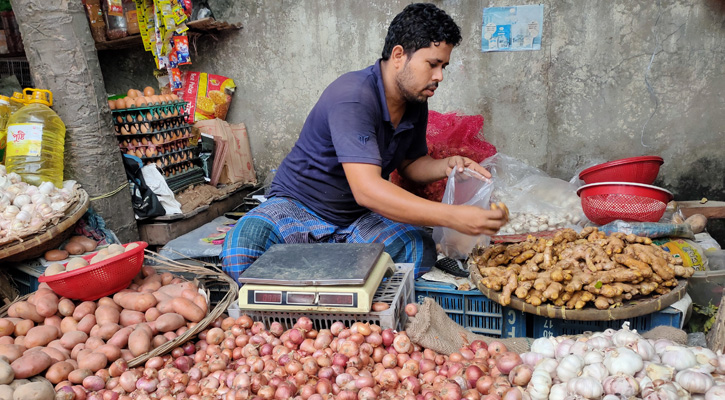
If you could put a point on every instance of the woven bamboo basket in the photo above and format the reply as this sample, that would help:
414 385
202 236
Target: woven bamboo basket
34 244
209 276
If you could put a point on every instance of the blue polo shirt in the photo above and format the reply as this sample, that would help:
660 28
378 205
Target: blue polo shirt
349 124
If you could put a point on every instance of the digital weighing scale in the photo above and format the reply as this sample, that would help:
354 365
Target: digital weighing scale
315 277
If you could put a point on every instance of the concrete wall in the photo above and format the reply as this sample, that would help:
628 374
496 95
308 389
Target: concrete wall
582 97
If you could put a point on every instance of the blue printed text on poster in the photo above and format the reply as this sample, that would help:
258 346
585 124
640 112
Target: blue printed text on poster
513 28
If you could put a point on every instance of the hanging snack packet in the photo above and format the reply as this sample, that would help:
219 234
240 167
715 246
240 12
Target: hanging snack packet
181 47
175 79
207 96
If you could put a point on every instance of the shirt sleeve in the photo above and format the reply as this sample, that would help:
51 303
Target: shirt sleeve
419 145
353 133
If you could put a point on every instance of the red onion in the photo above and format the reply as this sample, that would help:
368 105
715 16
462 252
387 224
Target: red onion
304 323
473 374
257 327
336 328
366 393
118 367
411 384
520 375
94 383
177 352
324 386
276 329
484 383
507 361
340 359
388 336
148 385
496 347
388 379
451 391
128 380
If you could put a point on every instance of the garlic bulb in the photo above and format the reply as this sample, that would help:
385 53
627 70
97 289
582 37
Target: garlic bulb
593 357
599 342
585 386
623 361
678 357
622 385
543 346
644 348
694 381
558 392
596 370
539 384
705 357
659 371
625 336
10 212
14 178
570 367
562 350
46 188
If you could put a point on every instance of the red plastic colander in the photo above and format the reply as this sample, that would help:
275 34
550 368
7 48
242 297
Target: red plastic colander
635 169
605 202
98 279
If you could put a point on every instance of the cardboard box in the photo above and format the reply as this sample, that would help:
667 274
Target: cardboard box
238 165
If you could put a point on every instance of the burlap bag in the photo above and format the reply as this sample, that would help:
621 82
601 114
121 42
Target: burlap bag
432 328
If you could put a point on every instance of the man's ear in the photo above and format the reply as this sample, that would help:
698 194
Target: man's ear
398 56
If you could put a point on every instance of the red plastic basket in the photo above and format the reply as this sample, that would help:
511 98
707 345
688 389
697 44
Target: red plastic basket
605 202
635 169
99 279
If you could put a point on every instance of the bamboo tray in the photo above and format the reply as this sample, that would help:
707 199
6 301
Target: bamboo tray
35 245
631 309
209 277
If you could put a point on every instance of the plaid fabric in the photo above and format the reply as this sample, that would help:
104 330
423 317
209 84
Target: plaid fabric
285 220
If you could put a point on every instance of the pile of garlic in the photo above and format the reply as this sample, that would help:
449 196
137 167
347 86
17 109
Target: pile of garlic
557 209
621 364
26 209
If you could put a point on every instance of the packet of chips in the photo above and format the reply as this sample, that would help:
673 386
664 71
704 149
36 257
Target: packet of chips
208 96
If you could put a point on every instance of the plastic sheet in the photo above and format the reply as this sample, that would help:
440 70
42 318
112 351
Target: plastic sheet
648 229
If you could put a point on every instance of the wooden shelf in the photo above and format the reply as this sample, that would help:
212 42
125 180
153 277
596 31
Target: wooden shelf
199 26
711 209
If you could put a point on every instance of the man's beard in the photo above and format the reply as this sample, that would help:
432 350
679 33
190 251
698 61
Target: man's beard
405 77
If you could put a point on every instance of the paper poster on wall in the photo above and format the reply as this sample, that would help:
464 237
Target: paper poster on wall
514 28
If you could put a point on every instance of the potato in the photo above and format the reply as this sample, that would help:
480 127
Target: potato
130 317
76 376
46 303
108 302
135 301
58 372
169 322
55 255
115 248
139 342
7 327
188 309
25 310
31 364
120 338
93 361
158 340
11 351
94 342
68 324
66 307
54 353
53 321
106 314
87 323
74 248
71 339
175 290
6 392
131 246
41 335
76 263
7 374
54 269
83 309
105 331
152 314
35 391
7 340
22 327
111 352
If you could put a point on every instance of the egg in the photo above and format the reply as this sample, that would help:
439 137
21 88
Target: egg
150 152
55 255
112 104
120 104
130 102
148 91
140 102
139 93
155 99
131 93
159 164
134 143
174 97
76 263
124 131
139 153
74 248
119 119
133 130
129 118
144 141
131 152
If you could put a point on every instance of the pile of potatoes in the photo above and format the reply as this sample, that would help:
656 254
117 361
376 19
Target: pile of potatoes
79 262
64 340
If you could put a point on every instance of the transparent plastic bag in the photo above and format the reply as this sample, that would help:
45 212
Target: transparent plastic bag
463 188
536 201
648 229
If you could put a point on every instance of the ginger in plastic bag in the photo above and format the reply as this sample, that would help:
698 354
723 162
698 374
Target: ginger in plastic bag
463 188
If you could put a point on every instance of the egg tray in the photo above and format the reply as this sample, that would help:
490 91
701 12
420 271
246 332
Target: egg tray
152 127
159 154
179 105
165 138
183 180
191 150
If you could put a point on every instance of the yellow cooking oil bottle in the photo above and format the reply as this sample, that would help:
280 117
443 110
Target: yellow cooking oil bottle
17 100
4 116
36 140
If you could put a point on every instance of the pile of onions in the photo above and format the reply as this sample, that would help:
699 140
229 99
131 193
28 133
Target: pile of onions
242 359
621 364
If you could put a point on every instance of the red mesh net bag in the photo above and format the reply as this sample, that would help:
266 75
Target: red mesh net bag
448 135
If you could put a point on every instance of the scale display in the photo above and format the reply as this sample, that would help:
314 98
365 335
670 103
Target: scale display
315 277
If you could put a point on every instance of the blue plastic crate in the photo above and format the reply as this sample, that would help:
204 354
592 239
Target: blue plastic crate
547 327
473 311
24 276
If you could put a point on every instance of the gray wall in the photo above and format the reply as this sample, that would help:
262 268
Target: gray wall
582 97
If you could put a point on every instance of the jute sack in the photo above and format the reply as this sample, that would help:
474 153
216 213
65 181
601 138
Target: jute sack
432 328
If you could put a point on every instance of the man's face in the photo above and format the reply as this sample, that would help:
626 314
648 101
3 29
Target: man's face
422 71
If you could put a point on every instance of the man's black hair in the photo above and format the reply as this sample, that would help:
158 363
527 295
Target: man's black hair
417 26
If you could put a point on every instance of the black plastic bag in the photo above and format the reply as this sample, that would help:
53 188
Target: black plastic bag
145 202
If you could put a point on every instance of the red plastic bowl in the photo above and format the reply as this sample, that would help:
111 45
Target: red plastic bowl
635 169
605 202
99 279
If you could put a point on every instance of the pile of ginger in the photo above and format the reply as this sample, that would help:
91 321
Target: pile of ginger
573 269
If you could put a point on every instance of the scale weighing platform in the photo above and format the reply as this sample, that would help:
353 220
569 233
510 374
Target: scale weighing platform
315 277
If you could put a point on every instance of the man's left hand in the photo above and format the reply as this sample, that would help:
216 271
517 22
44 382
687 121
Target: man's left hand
460 163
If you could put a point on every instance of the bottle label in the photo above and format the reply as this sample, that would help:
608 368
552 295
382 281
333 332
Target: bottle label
24 140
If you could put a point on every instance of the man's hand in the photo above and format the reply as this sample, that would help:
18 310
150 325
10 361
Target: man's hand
472 220
460 163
